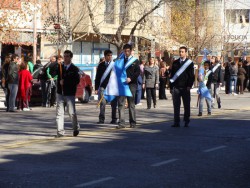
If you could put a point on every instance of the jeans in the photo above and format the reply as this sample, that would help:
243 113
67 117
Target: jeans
201 105
13 88
183 93
233 79
70 104
103 107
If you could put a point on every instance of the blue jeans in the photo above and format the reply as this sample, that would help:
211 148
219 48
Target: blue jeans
233 79
201 105
12 98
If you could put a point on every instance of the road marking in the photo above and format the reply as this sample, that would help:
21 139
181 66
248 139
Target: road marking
165 162
214 149
95 182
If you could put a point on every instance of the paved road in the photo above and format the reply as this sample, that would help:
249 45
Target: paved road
213 152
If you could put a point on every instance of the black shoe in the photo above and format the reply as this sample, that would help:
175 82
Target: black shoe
175 125
113 122
120 127
100 122
154 105
13 111
209 113
219 105
186 124
132 125
148 108
200 114
75 133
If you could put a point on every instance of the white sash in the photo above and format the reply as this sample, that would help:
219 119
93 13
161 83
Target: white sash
107 71
206 77
216 67
181 70
130 62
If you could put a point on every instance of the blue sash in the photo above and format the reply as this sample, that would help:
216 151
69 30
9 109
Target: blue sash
181 70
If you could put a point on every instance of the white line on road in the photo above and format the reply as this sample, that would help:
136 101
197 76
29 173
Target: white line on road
165 162
213 149
95 182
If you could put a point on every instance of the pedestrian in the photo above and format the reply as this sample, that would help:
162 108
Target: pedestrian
241 78
43 77
38 65
233 69
138 93
52 83
181 82
24 87
133 71
13 81
68 79
207 79
227 78
28 59
5 71
150 82
246 66
142 66
163 76
101 81
217 80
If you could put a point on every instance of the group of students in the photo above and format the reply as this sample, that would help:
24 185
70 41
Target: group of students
17 82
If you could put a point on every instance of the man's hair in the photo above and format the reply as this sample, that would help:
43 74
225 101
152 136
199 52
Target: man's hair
183 47
107 52
207 62
38 61
14 56
127 46
68 52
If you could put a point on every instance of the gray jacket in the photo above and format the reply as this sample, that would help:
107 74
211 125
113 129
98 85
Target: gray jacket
13 73
151 76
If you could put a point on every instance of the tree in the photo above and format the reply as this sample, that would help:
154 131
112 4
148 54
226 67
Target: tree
132 15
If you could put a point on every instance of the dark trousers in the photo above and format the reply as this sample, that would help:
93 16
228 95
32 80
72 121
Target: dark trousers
103 107
131 107
227 85
162 87
51 93
240 84
151 94
138 96
183 93
44 93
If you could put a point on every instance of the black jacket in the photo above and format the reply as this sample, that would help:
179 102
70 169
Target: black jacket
133 71
13 73
209 81
186 79
100 71
217 76
71 79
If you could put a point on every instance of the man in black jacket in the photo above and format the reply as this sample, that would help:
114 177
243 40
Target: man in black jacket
181 86
68 79
100 85
133 71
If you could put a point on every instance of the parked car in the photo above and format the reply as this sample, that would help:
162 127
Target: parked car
83 93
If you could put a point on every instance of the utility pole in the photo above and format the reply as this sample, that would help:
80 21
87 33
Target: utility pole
34 32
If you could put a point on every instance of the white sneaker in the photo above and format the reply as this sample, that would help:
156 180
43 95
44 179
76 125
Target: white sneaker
26 109
235 94
139 104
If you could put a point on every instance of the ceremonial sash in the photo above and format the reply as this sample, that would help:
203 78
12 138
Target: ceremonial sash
130 62
180 71
206 77
216 67
107 71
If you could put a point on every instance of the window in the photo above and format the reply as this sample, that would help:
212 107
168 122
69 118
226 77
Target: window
109 15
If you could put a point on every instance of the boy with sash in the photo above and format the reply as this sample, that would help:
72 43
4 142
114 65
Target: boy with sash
181 82
101 81
132 67
206 78
217 80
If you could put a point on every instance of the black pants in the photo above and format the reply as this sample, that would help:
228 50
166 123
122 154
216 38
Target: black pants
162 87
103 107
131 107
227 86
183 93
151 94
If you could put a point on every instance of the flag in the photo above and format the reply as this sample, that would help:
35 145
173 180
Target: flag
117 85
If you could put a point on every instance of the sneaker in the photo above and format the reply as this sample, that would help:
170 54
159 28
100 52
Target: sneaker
139 104
26 109
75 133
175 125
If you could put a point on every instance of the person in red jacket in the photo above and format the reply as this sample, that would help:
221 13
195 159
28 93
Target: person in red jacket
24 87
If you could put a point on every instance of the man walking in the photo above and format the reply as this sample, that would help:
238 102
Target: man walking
181 81
68 79
101 81
133 71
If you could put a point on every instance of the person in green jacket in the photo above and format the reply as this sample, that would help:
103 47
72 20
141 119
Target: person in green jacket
30 64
